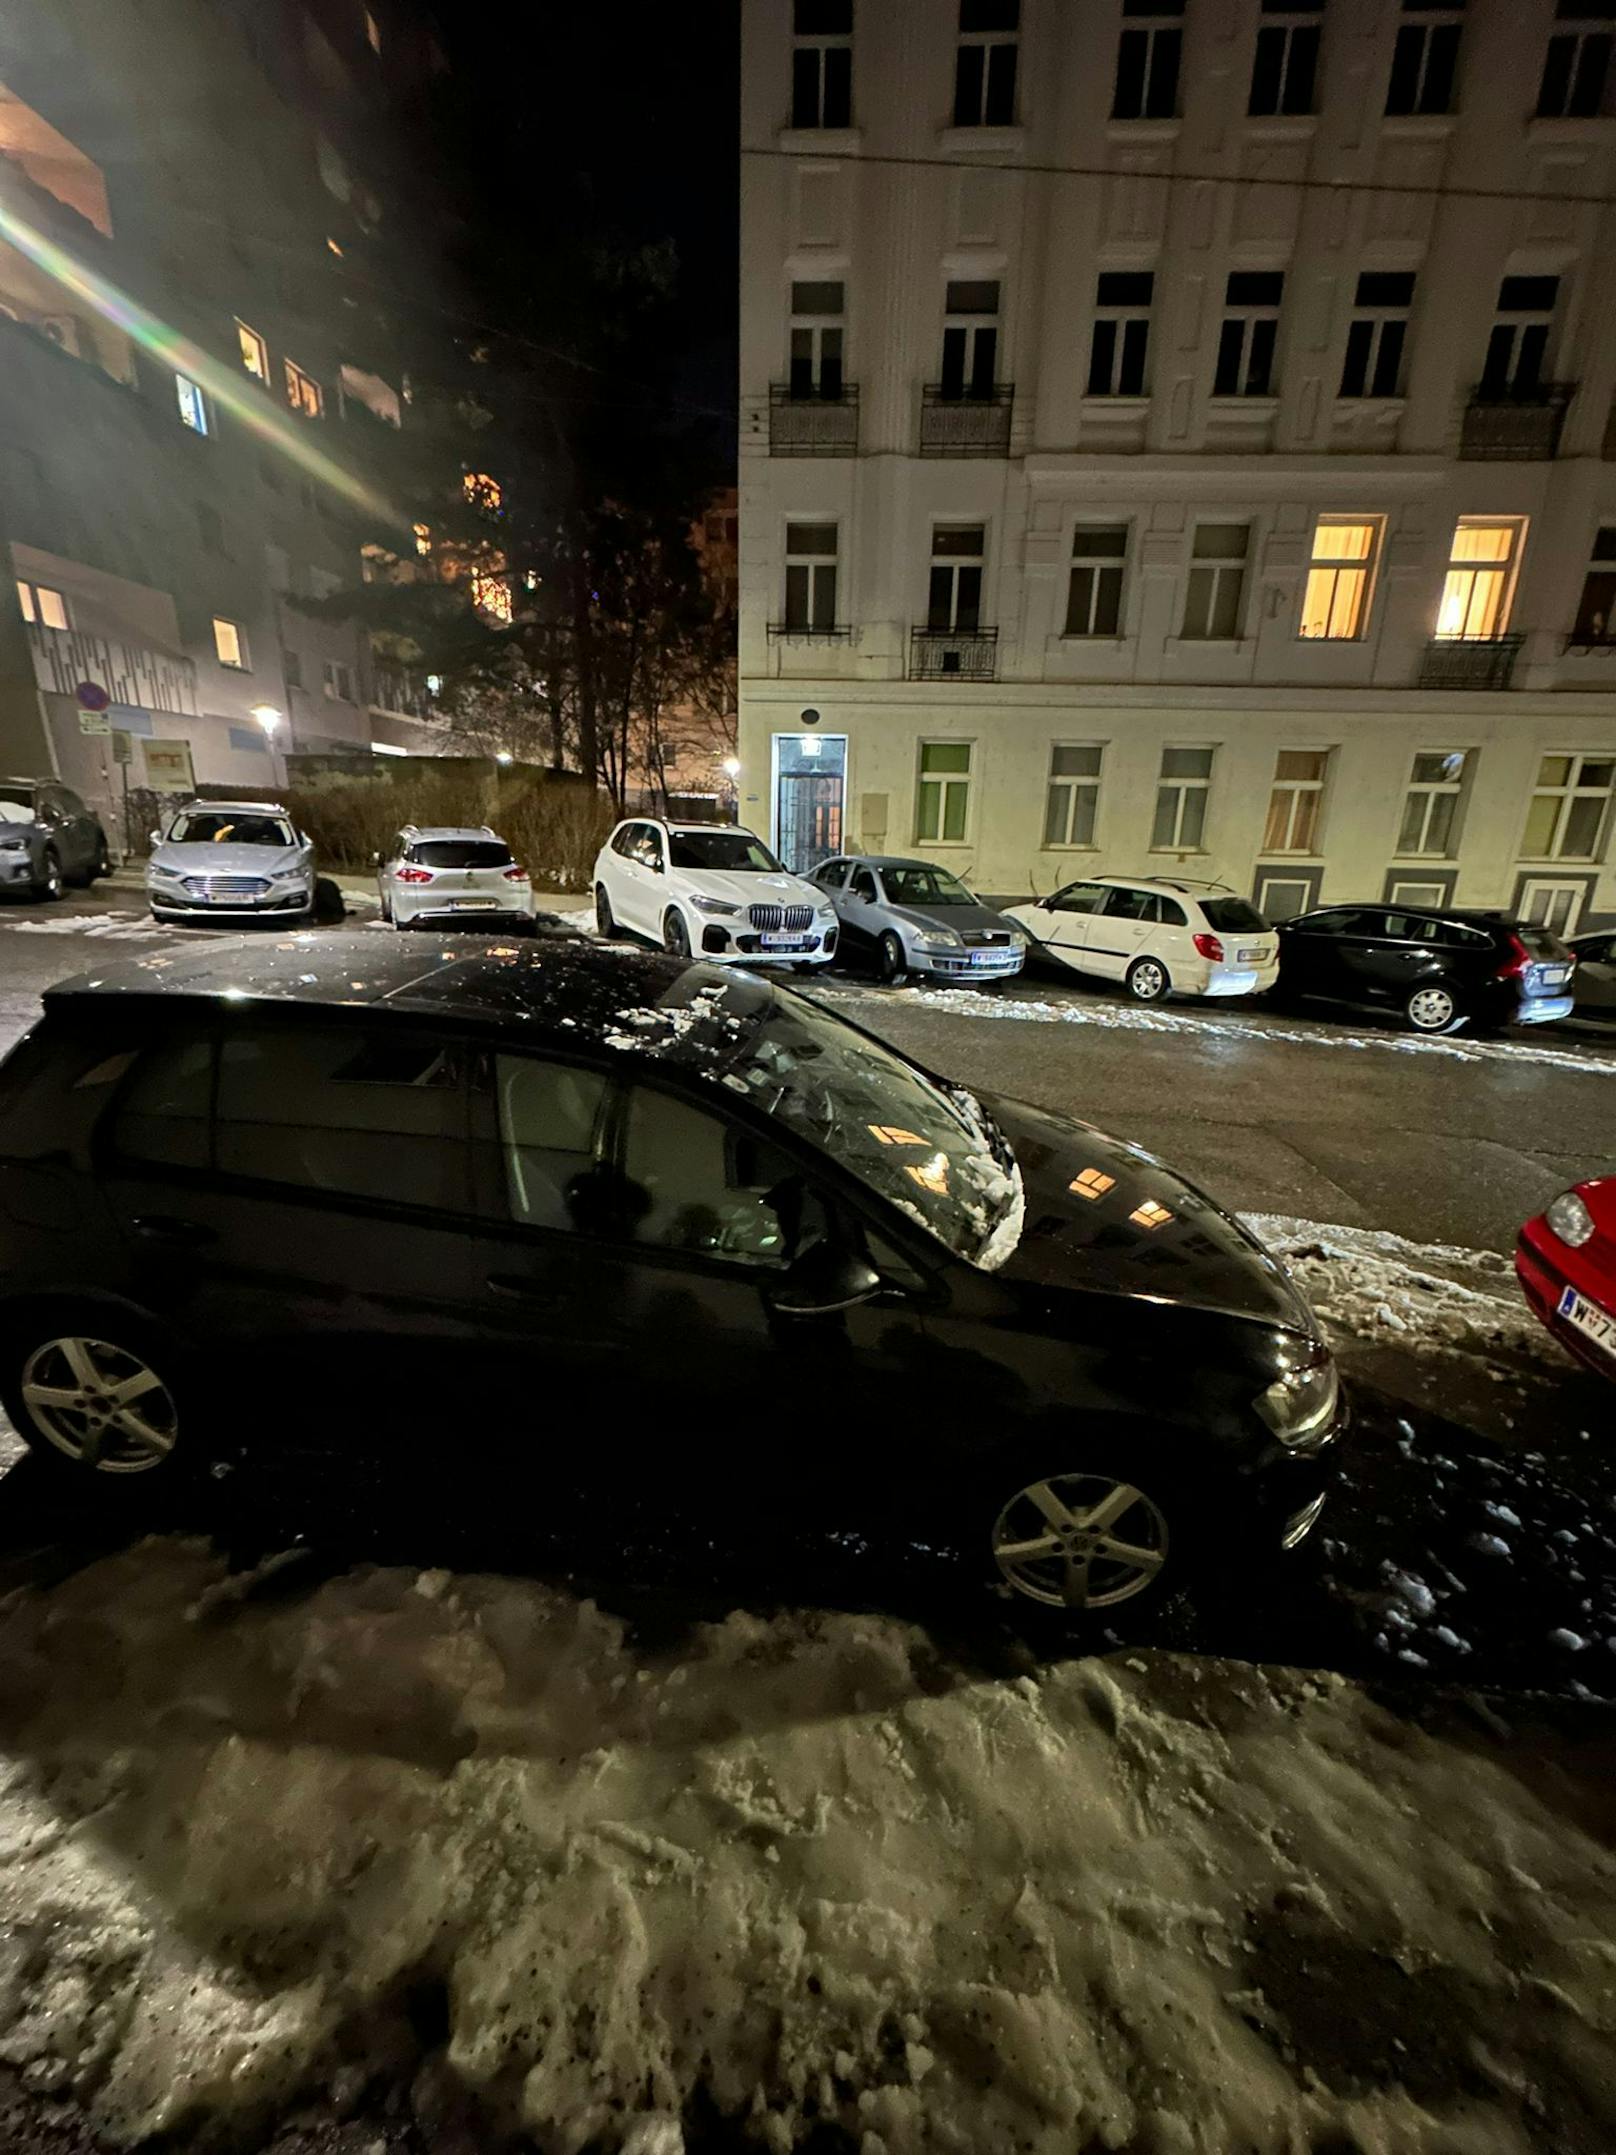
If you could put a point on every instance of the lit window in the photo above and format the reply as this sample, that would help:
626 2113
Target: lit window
1091 1183
1296 802
254 351
229 645
1480 580
303 392
193 405
1335 605
491 593
423 538
945 790
42 606
483 492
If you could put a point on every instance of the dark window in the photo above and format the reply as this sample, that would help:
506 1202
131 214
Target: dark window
1147 69
1576 70
1425 65
1078 898
162 1115
817 340
863 886
461 853
1518 347
810 577
970 346
1214 599
727 851
1094 594
1232 916
1122 301
1595 624
344 1112
954 589
693 1182
822 70
552 1123
985 63
1373 362
1245 363
1350 923
1284 68
1132 905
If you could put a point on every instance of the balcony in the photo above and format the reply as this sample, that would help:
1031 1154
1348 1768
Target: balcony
1520 428
959 422
131 674
395 689
953 654
815 423
1469 661
792 632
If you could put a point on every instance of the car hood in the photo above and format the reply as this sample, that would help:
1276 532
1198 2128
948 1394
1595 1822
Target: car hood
1146 1231
963 919
228 860
749 886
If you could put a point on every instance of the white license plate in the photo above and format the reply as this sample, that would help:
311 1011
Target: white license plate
1252 955
1588 1318
783 942
988 957
462 905
1554 976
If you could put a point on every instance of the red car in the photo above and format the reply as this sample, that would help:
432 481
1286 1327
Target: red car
1565 1260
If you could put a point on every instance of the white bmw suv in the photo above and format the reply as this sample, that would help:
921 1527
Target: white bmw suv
711 890
1157 935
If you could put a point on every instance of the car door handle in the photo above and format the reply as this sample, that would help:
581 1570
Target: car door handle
517 1287
162 1227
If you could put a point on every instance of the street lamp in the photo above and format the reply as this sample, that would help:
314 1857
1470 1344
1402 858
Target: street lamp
504 756
732 766
269 718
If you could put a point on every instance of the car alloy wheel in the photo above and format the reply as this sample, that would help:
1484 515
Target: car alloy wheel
100 1405
604 923
1147 980
1433 1009
49 883
103 863
1080 1541
891 962
675 935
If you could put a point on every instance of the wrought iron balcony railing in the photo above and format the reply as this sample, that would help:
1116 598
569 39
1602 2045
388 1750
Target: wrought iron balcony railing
1515 426
1470 661
953 654
810 632
813 422
966 422
130 673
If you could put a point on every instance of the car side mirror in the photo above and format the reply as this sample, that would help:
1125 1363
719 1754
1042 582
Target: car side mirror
156 838
827 1277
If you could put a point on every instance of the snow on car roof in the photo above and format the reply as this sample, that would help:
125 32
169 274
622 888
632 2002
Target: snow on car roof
558 987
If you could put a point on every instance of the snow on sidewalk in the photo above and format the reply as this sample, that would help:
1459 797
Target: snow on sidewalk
794 1864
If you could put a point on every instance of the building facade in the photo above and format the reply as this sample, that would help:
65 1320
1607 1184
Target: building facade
188 177
1178 438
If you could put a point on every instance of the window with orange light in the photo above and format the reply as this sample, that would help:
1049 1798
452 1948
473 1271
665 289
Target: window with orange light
483 492
303 392
491 593
423 538
254 351
1480 582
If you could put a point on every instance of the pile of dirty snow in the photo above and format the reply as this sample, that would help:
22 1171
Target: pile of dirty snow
795 1873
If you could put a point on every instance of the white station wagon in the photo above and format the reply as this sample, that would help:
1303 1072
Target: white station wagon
1157 935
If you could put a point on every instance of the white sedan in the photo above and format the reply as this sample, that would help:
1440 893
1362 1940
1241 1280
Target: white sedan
711 890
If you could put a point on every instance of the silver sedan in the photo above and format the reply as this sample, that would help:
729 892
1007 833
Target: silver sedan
910 916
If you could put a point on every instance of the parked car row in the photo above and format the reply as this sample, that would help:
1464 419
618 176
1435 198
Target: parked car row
48 839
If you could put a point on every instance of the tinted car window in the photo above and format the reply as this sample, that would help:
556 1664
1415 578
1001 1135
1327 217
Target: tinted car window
924 886
1077 898
1233 916
55 1085
1171 913
210 827
22 795
863 885
623 841
721 849
1540 942
69 801
1349 923
1132 905
344 1112
833 875
648 850
162 1113
697 1183
551 1123
461 853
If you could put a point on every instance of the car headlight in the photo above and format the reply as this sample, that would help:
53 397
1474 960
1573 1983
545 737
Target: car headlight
169 875
1300 1405
714 905
1569 1218
285 875
940 939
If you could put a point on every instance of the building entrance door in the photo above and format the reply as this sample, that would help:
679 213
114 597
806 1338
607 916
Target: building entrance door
810 777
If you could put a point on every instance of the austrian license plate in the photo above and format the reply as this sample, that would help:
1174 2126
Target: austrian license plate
782 942
1588 1318
987 957
1251 955
471 905
1554 976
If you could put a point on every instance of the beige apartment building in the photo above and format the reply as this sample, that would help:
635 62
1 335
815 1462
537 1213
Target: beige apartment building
1178 438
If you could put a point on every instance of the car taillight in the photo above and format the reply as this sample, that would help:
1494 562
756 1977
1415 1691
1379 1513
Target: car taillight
1210 947
1516 963
516 875
412 875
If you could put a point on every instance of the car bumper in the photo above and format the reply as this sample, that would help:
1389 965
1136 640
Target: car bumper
1545 1268
459 916
15 868
722 945
968 964
1227 979
183 905
1541 1009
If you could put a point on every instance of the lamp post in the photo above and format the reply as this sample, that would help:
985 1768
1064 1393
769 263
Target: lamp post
269 718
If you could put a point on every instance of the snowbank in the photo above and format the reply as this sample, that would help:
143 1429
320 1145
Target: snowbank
1431 1296
795 1864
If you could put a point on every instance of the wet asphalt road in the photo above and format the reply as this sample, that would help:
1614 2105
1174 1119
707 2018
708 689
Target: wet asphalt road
1334 1117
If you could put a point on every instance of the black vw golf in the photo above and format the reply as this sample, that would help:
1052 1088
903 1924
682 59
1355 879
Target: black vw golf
557 1212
